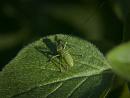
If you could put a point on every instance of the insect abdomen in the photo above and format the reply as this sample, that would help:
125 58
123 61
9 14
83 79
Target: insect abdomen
68 59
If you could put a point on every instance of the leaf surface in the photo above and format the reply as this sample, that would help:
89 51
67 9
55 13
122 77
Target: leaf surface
31 75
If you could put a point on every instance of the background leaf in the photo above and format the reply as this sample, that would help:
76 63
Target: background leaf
30 75
129 86
24 21
120 60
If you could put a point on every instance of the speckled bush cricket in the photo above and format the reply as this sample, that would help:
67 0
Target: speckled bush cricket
57 52
63 54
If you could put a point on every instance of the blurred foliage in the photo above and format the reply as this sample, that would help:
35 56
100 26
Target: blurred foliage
22 21
102 22
119 59
118 88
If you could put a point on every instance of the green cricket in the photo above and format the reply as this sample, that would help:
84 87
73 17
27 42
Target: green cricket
63 54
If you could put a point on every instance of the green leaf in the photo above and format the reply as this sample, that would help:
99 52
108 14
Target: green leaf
119 58
31 75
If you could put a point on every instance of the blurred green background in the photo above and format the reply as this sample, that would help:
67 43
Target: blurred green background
105 23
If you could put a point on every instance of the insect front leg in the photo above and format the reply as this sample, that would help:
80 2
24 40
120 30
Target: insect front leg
56 63
65 45
59 65
55 56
